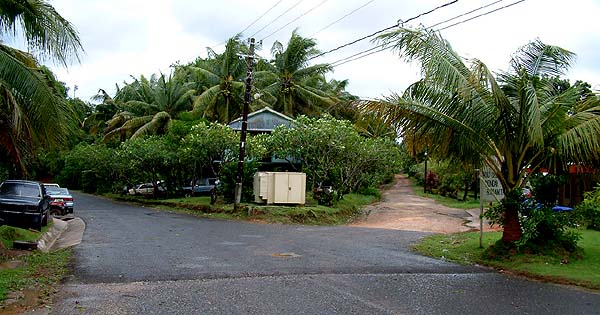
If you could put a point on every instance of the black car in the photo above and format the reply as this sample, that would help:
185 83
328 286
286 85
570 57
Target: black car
24 204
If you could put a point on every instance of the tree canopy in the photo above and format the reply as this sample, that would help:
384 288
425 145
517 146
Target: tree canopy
516 121
33 114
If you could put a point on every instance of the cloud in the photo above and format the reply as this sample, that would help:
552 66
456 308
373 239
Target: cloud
133 37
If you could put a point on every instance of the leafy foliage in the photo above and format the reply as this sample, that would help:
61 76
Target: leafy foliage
543 228
588 212
514 122
29 94
332 153
294 82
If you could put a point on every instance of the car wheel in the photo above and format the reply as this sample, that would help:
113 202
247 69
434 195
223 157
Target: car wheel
55 212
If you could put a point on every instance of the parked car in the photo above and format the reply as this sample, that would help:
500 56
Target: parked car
203 186
24 204
146 189
51 185
61 200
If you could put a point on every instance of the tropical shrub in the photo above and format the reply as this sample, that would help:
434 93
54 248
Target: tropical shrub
334 154
86 159
228 177
542 227
588 212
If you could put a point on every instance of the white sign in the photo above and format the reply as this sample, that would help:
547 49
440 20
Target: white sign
491 189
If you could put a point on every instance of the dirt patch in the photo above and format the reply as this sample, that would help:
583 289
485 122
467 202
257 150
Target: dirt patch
401 209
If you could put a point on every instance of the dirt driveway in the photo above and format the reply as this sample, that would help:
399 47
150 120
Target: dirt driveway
401 209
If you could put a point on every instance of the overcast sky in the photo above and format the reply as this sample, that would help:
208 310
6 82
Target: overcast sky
133 37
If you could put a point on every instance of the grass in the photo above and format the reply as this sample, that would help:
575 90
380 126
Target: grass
446 201
310 213
40 271
8 234
34 269
464 248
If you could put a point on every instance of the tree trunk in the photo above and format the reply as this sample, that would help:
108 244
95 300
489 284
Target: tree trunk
512 227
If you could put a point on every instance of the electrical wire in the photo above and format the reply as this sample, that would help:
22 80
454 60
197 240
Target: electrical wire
382 30
260 17
480 15
294 20
277 18
360 57
250 25
362 54
343 17
466 13
430 11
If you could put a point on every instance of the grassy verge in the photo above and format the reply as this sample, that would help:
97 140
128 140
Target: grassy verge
310 213
8 234
464 248
32 270
446 201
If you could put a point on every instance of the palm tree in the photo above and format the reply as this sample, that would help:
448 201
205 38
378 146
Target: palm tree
32 114
220 82
149 106
292 78
516 122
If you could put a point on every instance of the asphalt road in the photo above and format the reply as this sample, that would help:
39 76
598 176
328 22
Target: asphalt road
136 260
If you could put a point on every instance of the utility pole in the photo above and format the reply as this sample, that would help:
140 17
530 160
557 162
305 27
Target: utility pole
425 175
240 171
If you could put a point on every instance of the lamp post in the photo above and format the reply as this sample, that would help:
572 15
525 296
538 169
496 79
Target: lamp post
425 175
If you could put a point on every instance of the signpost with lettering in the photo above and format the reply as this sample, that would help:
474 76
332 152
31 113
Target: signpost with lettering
490 190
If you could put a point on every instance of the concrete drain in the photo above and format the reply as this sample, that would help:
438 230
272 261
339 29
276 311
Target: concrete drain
286 255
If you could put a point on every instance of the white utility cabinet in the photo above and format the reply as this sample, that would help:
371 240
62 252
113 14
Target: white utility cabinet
280 187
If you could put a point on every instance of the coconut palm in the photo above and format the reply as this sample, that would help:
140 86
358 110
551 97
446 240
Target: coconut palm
149 106
516 121
220 82
32 114
291 82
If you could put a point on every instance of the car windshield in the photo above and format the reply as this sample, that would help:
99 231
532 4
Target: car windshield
19 189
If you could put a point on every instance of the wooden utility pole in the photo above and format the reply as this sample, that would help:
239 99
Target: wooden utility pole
240 171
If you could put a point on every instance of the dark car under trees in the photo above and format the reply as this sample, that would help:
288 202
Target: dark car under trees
24 204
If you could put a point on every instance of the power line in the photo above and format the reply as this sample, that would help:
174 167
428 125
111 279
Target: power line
343 17
480 15
362 54
260 17
382 30
334 64
294 20
425 13
360 57
277 18
466 13
347 59
253 22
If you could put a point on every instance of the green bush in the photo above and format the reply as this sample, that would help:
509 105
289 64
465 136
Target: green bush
228 177
370 191
588 212
542 227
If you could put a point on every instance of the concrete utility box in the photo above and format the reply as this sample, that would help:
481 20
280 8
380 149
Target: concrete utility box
280 188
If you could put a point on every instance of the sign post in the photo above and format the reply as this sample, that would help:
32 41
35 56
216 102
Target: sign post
490 190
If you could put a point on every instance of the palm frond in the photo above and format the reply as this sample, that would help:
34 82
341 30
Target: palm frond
36 100
45 31
539 59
